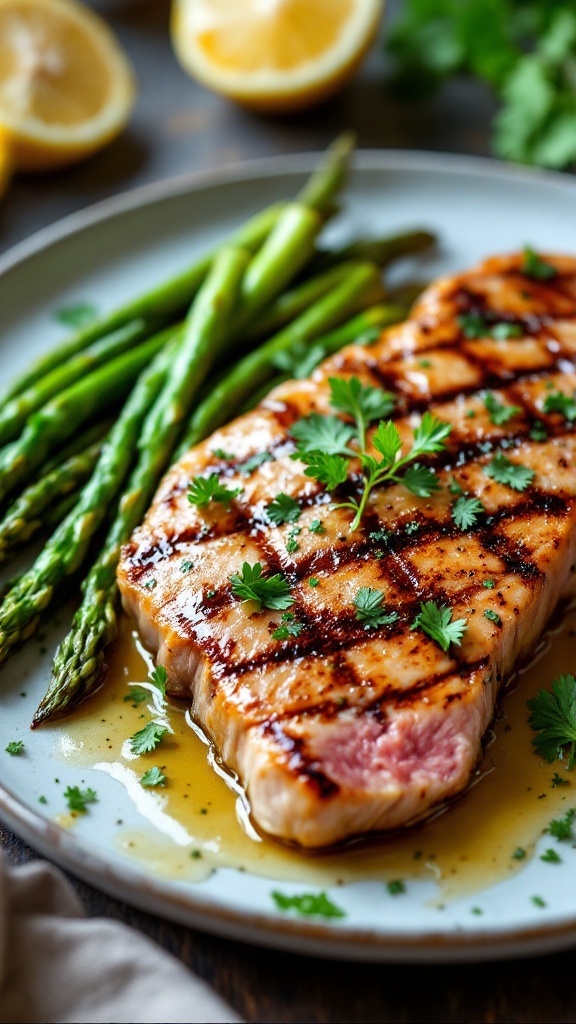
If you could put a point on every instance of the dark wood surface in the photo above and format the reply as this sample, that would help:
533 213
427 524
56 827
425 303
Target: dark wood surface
178 127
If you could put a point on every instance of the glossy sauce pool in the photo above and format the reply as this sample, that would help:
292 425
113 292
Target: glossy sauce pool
199 820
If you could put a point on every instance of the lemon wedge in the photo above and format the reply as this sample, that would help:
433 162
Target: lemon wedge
5 163
66 87
273 55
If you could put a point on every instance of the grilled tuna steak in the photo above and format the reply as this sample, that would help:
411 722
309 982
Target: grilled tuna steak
340 729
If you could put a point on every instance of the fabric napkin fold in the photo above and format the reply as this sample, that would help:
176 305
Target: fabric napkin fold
57 965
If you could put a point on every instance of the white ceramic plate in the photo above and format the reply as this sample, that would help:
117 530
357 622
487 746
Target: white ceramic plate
114 251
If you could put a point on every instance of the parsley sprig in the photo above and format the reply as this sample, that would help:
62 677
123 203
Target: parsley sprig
465 511
283 509
267 591
78 799
498 412
323 444
512 474
553 718
558 401
436 621
308 904
148 738
369 604
204 489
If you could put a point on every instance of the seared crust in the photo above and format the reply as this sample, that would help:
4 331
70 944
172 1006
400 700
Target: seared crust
339 731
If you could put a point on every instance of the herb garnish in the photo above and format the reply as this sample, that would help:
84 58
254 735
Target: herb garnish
465 512
512 474
492 616
489 584
553 718
136 695
475 326
551 857
159 678
77 799
148 738
283 509
153 777
498 412
557 401
300 360
308 904
290 627
267 591
15 748
537 268
316 526
204 489
396 887
253 462
436 621
369 604
561 828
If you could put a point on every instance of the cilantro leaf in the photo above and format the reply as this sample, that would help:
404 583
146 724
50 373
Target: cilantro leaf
557 401
267 591
436 621
493 616
326 434
77 799
535 267
148 738
387 441
498 412
512 474
253 462
465 512
283 509
308 904
204 489
553 718
153 777
421 480
550 856
473 325
15 748
329 470
369 608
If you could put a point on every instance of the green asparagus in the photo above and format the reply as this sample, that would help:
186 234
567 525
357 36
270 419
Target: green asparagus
292 303
65 413
65 551
362 287
382 251
79 660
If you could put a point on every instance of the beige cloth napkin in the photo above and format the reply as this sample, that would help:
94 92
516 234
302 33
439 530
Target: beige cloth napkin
57 965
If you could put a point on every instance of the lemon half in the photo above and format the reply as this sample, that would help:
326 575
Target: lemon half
273 55
66 87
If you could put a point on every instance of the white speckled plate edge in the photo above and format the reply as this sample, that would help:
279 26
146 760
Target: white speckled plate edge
478 207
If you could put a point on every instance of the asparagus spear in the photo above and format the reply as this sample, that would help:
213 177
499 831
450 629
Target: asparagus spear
290 304
80 657
13 414
65 551
361 287
66 412
167 299
382 251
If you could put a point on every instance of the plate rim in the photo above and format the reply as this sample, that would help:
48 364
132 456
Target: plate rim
128 881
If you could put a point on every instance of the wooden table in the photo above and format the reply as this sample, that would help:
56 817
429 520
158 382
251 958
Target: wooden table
178 128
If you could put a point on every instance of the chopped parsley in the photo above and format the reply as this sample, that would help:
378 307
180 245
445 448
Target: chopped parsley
299 360
153 777
369 604
159 678
465 512
511 474
292 544
551 857
411 527
489 584
493 616
15 748
396 887
561 828
558 780
254 462
136 695
308 904
283 509
80 314
436 621
519 853
204 489
504 330
267 591
557 401
454 487
498 412
538 901
316 526
475 326
148 738
553 718
150 584
535 267
290 627
313 581
221 454
538 432
77 799
186 565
